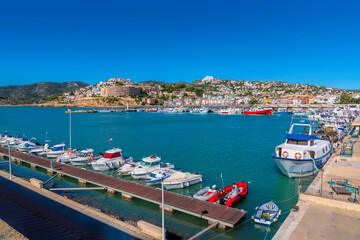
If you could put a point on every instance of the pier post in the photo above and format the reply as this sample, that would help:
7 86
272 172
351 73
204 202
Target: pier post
82 182
111 191
50 171
33 165
126 196
166 209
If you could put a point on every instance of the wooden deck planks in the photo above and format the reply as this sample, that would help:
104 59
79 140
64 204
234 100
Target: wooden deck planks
185 203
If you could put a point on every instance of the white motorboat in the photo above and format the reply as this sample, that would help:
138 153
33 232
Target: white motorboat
11 141
55 151
84 157
181 180
112 159
156 176
26 146
66 156
206 193
303 153
127 168
146 166
41 150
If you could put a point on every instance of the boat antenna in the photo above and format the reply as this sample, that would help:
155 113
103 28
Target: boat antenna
222 180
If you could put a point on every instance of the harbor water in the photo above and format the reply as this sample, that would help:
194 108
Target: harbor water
236 147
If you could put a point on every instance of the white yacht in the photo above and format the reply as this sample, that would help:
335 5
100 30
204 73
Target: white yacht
56 151
41 150
26 146
84 157
126 169
146 166
156 176
112 159
302 153
181 180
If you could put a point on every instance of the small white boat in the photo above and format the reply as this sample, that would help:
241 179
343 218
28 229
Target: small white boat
206 193
41 150
156 176
181 180
112 159
146 166
56 151
267 213
82 158
11 141
26 146
127 168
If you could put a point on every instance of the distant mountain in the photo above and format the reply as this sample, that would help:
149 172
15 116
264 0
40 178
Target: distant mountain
37 92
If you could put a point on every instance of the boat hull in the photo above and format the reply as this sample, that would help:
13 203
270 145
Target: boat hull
177 185
261 112
300 167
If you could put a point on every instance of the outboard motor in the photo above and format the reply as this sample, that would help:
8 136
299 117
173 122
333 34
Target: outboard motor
46 146
214 187
221 200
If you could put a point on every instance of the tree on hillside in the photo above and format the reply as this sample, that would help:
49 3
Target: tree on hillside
345 98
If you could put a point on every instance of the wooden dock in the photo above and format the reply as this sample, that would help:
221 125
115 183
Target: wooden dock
214 213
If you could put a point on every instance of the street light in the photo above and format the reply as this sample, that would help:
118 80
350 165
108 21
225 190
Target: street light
8 142
162 209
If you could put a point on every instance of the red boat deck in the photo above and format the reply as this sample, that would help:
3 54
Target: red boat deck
215 213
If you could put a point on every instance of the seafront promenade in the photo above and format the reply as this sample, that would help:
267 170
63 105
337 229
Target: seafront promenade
329 207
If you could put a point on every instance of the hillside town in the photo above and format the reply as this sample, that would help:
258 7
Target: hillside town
209 91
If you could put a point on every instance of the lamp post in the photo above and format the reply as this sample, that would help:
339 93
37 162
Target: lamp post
162 210
9 160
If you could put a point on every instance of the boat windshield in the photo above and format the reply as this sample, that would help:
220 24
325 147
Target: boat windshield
145 164
152 175
301 130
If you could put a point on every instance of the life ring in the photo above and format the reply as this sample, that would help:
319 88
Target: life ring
91 158
69 152
285 154
297 155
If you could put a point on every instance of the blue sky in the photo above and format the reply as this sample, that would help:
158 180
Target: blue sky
316 42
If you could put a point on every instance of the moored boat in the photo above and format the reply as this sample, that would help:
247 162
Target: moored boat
181 180
146 166
112 159
231 194
302 153
267 213
257 111
56 150
206 193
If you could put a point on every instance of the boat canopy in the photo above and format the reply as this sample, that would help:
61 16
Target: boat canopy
300 136
112 155
60 148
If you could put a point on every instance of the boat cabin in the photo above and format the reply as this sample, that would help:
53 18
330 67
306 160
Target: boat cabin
150 161
113 153
301 143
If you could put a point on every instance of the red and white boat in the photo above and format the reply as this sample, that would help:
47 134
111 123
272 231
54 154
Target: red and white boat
257 111
230 195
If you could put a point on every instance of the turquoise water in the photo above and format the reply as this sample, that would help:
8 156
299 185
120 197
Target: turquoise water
237 146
